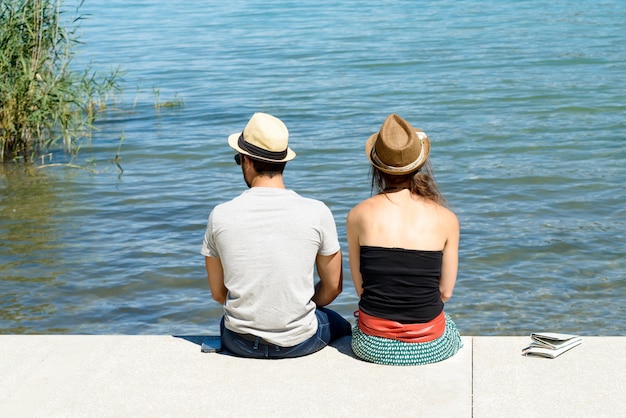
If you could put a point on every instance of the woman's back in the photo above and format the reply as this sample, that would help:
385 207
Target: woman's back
403 220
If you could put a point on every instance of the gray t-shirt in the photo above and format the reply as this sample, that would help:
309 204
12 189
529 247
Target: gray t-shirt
267 240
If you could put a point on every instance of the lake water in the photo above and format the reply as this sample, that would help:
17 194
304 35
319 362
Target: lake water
525 104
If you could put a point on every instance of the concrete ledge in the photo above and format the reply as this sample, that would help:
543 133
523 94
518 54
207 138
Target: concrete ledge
60 375
587 381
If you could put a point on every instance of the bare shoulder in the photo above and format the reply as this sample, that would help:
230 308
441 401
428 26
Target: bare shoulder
448 217
451 216
359 210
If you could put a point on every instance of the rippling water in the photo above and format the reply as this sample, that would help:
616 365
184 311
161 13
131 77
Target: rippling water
524 103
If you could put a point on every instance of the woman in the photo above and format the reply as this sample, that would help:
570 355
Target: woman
403 250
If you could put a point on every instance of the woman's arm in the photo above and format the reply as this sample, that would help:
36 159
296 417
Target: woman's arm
354 250
450 263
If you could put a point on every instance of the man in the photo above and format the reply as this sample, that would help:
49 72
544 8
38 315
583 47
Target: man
261 249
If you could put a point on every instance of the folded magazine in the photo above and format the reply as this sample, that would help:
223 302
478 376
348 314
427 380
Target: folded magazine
551 344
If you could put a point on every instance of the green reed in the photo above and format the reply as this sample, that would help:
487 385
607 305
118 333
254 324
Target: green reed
44 102
158 104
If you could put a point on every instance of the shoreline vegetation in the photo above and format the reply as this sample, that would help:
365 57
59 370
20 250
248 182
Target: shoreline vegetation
46 104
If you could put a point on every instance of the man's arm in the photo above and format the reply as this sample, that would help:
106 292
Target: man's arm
330 271
215 273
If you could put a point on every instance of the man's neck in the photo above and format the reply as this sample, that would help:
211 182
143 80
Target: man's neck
265 181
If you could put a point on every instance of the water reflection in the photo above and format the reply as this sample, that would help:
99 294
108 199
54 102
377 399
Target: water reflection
31 245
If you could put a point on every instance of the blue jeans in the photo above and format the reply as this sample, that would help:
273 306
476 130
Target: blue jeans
330 326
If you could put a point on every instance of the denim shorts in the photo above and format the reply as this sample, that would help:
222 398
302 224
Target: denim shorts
330 326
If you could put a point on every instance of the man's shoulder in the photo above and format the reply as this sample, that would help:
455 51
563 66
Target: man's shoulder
311 202
306 198
228 204
283 198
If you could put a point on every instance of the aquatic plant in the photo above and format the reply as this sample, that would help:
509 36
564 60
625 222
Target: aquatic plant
158 104
44 102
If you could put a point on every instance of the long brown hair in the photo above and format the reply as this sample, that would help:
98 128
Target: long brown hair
422 183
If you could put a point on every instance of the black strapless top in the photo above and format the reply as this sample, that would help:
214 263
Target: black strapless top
401 285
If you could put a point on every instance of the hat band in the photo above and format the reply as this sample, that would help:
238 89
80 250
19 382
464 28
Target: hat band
405 169
260 152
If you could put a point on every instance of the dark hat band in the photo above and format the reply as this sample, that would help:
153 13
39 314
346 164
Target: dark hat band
260 152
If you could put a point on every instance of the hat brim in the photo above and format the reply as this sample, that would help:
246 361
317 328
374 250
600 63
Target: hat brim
233 140
371 141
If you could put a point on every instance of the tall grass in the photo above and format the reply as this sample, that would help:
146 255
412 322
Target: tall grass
44 102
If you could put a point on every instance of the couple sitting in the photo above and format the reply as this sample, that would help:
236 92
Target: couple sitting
263 247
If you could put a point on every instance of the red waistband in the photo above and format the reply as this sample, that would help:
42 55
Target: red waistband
411 333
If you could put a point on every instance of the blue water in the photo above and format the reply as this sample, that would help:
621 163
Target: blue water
525 104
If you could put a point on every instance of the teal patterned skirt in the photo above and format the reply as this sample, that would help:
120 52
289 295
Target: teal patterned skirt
399 353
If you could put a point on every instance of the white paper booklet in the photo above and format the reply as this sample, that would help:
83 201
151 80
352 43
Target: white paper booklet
553 339
551 344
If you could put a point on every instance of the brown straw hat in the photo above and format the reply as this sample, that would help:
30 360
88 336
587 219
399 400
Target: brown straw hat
397 148
265 137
